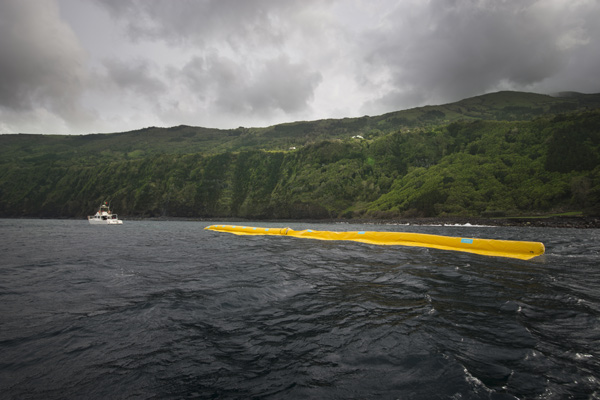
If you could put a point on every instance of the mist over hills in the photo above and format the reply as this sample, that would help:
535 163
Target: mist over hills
504 153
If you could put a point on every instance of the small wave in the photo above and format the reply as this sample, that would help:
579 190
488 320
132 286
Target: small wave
468 225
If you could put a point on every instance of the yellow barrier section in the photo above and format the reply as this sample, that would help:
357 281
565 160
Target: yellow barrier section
487 247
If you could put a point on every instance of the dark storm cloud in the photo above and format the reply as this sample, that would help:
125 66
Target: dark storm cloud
283 85
41 63
136 76
445 51
277 84
241 23
232 72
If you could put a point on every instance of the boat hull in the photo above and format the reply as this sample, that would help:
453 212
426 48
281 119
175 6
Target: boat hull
96 221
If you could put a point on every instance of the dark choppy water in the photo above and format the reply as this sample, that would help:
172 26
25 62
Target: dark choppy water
168 310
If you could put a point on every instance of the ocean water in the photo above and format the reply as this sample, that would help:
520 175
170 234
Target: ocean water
167 310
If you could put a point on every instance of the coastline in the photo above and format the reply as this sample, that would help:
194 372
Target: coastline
539 222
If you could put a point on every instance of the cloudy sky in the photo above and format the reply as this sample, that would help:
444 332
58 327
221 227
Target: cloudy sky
88 66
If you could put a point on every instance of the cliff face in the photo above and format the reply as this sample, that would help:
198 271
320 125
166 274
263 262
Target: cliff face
414 164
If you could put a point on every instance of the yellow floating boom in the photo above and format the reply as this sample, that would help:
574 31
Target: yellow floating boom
487 247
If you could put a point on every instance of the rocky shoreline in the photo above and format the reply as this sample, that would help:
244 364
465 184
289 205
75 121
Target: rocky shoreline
544 222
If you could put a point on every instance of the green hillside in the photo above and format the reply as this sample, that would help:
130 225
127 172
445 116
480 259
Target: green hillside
506 153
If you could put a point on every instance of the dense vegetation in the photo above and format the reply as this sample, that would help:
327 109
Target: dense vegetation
501 154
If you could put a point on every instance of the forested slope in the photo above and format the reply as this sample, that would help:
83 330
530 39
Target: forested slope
501 154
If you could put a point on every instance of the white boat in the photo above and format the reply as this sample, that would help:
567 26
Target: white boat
104 216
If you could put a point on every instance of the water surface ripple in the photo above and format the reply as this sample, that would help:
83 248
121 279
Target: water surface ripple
153 310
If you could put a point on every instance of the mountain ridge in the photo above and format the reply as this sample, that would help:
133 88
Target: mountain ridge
183 139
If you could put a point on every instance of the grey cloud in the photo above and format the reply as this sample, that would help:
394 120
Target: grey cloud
216 79
134 76
277 84
445 51
240 23
42 64
283 85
